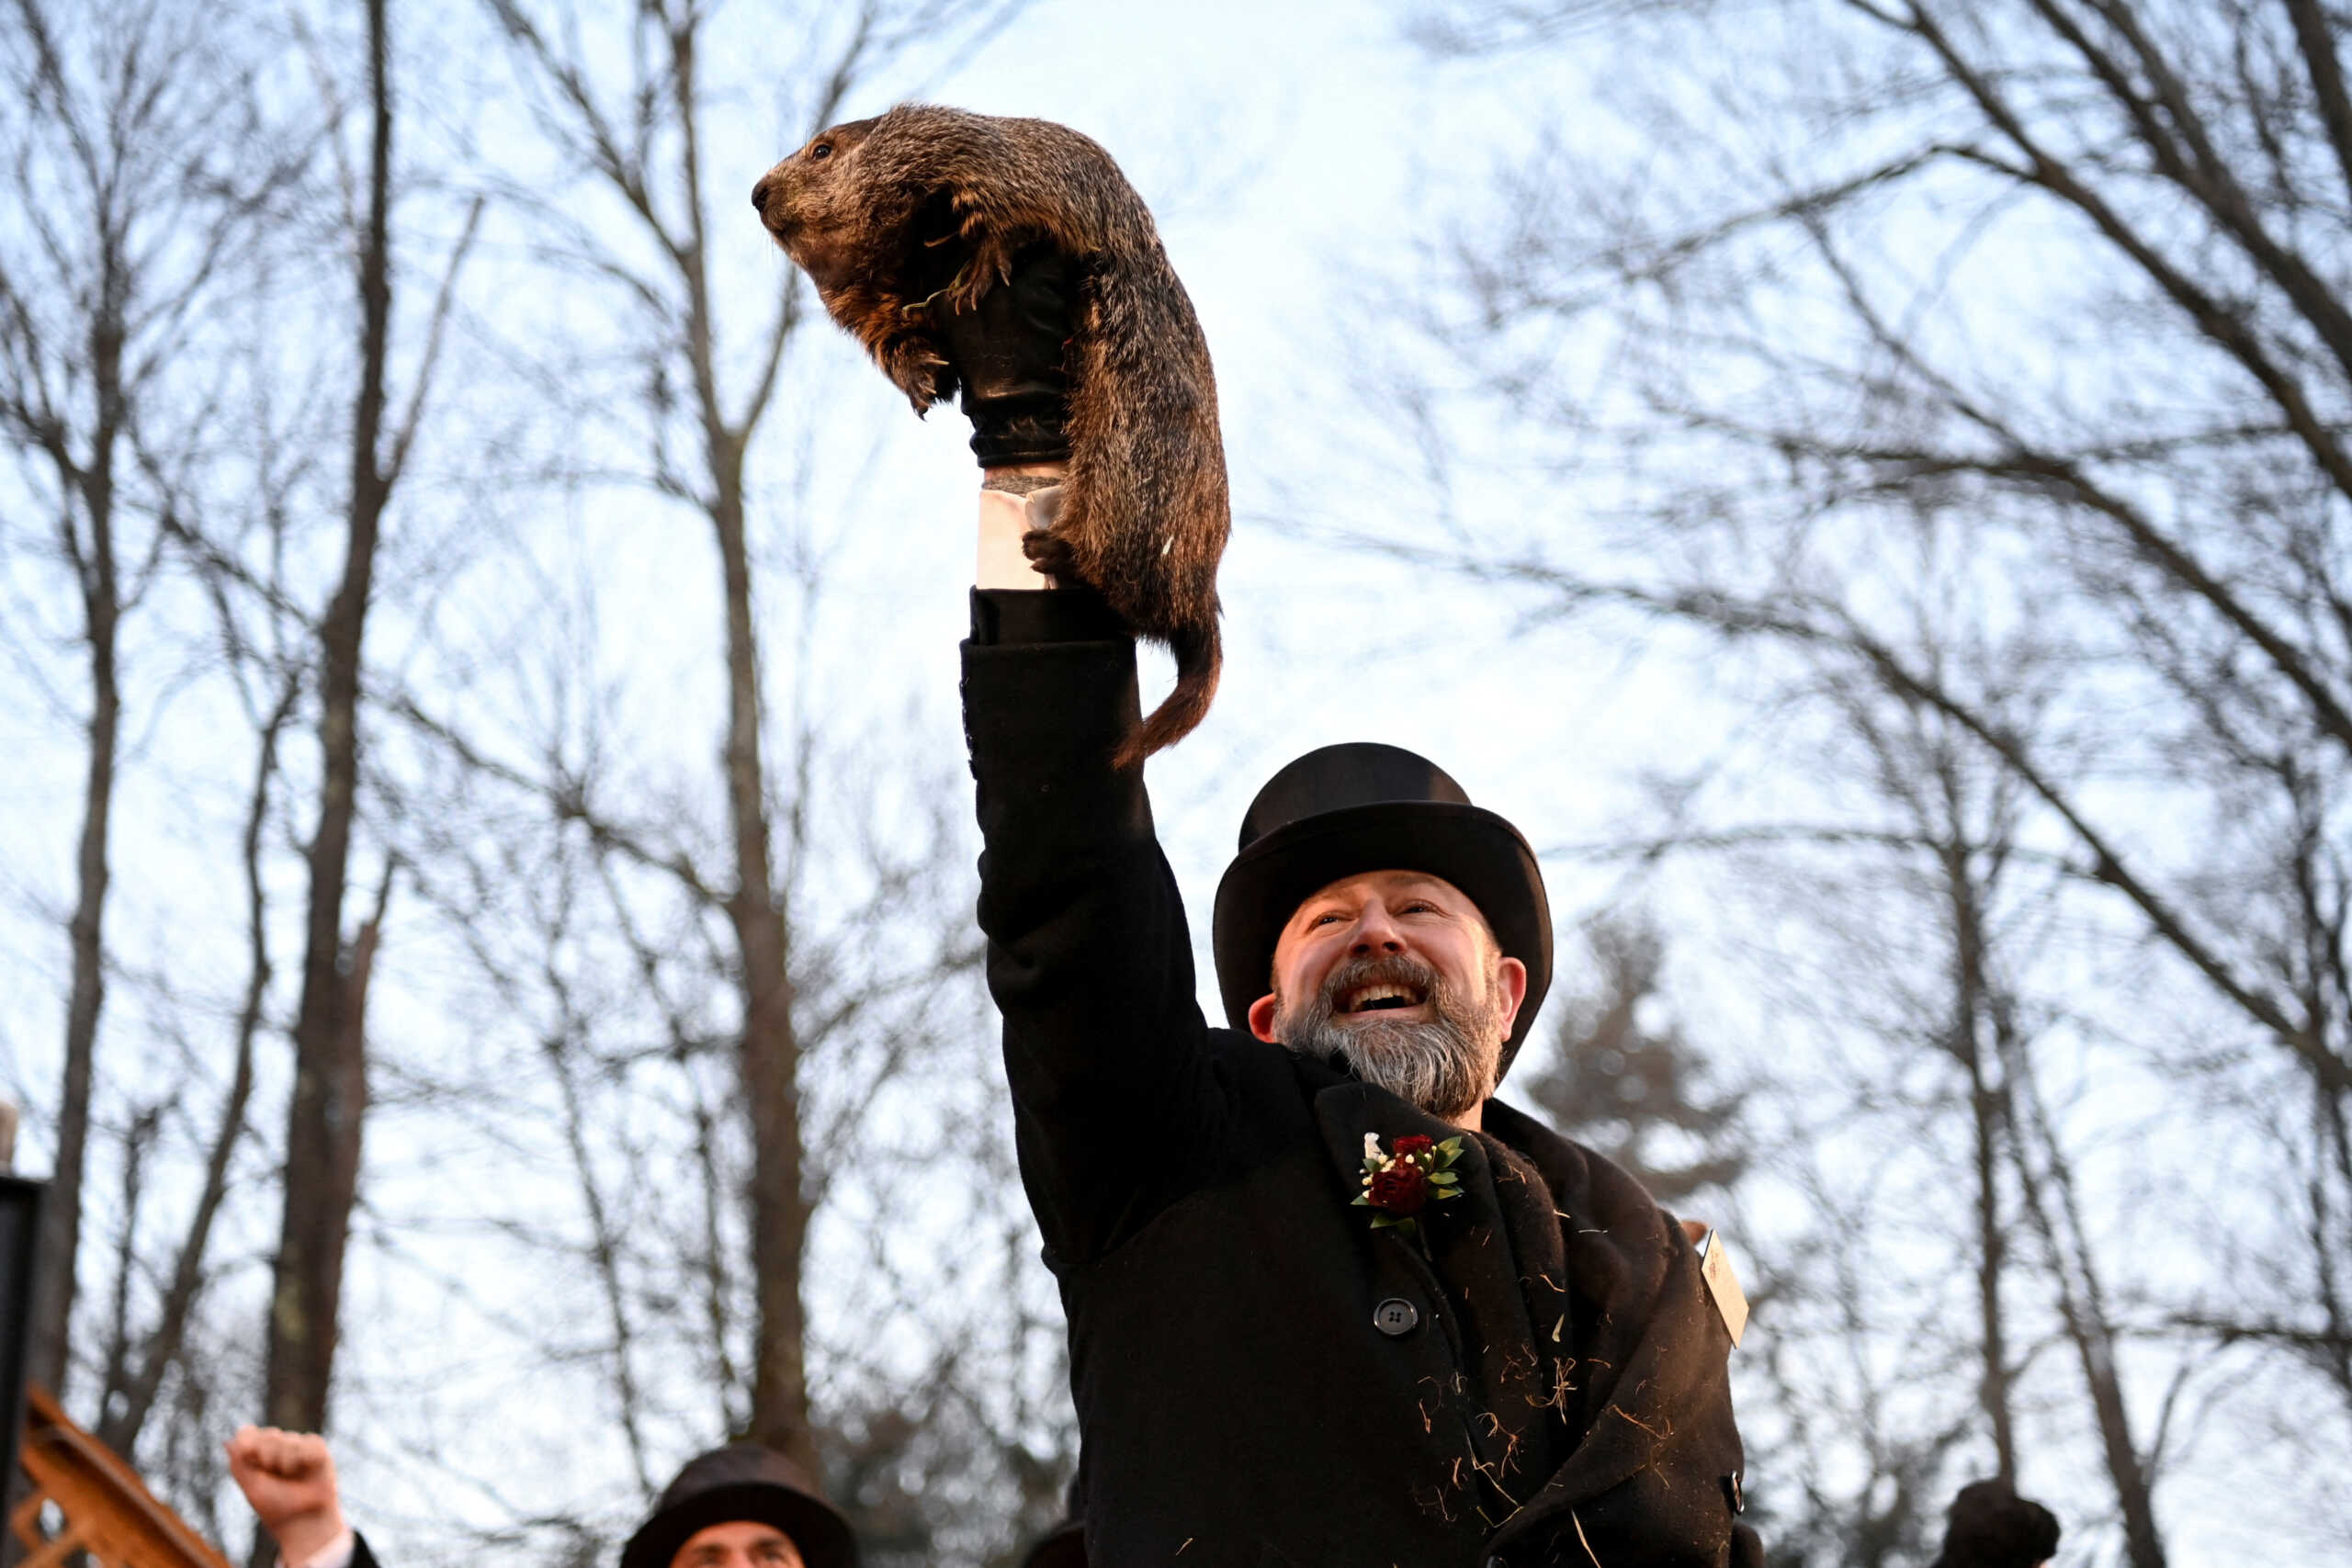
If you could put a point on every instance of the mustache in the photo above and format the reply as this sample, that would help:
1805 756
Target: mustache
1384 969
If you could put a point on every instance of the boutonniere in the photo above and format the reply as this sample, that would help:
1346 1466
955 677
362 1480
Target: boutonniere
1408 1178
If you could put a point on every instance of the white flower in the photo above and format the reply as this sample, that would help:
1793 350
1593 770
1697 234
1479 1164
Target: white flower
1372 1146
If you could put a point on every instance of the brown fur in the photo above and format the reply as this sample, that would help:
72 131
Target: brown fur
925 207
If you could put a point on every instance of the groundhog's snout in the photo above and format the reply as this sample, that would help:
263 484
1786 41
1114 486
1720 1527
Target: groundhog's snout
770 200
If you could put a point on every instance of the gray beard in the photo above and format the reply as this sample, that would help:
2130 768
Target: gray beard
1445 1066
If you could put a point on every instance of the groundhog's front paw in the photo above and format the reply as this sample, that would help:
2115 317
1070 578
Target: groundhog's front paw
914 364
988 265
1050 553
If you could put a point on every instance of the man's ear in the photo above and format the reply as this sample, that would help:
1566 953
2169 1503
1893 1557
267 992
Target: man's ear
1511 977
1261 1013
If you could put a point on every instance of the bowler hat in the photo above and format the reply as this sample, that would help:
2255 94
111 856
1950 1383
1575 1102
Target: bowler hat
743 1482
1363 806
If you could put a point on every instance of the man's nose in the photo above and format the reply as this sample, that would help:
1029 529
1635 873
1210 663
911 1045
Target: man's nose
1375 933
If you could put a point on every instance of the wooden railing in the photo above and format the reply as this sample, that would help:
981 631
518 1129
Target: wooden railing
106 1511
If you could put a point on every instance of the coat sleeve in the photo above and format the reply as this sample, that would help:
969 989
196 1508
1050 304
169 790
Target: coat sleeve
1089 958
1657 1468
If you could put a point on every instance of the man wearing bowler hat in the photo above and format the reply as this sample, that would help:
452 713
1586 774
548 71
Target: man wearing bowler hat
740 1506
1330 1304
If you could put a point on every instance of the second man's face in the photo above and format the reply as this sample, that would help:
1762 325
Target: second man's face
738 1543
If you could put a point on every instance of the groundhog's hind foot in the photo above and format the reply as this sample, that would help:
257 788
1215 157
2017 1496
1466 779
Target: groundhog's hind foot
1050 553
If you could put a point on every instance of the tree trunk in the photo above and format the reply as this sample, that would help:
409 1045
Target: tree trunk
770 1058
2048 1201
61 1225
770 1061
330 1097
1983 1100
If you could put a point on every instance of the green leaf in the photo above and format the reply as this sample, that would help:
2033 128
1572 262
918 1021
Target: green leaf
1443 1178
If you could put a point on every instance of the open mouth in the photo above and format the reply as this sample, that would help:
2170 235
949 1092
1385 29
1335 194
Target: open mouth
1382 996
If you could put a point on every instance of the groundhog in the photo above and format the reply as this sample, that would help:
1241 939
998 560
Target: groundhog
922 210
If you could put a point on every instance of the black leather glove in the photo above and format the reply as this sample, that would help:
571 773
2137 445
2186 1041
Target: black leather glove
1007 351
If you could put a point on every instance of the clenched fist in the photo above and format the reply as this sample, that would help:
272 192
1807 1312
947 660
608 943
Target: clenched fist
289 1477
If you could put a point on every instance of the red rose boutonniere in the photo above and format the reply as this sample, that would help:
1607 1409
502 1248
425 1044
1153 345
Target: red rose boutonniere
1399 1184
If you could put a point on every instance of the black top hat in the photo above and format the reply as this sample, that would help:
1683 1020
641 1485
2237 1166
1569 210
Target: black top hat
743 1480
1363 806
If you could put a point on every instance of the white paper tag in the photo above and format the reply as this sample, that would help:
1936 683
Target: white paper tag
1722 1283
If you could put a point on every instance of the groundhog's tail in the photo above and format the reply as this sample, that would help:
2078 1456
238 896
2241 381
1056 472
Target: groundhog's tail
1200 655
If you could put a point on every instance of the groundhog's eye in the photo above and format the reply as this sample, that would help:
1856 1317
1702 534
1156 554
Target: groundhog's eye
822 150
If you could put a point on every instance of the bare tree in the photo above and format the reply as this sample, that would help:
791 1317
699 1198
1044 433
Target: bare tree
677 988
139 1361
644 142
600 940
2066 279
141 163
328 1107
1964 820
1932 918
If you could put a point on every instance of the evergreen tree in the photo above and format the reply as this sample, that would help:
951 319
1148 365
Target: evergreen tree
1622 1082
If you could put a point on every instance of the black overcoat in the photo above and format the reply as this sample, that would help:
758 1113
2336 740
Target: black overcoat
1237 1402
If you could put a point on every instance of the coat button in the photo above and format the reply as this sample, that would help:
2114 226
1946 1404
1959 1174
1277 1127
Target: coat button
1395 1316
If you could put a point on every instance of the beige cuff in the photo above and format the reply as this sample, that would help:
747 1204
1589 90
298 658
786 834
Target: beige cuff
336 1553
1004 520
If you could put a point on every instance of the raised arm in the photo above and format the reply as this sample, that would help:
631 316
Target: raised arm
1089 957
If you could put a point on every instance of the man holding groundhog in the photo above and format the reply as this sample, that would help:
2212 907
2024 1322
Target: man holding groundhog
1330 1304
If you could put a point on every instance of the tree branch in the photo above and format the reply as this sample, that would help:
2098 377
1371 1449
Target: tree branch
2214 319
